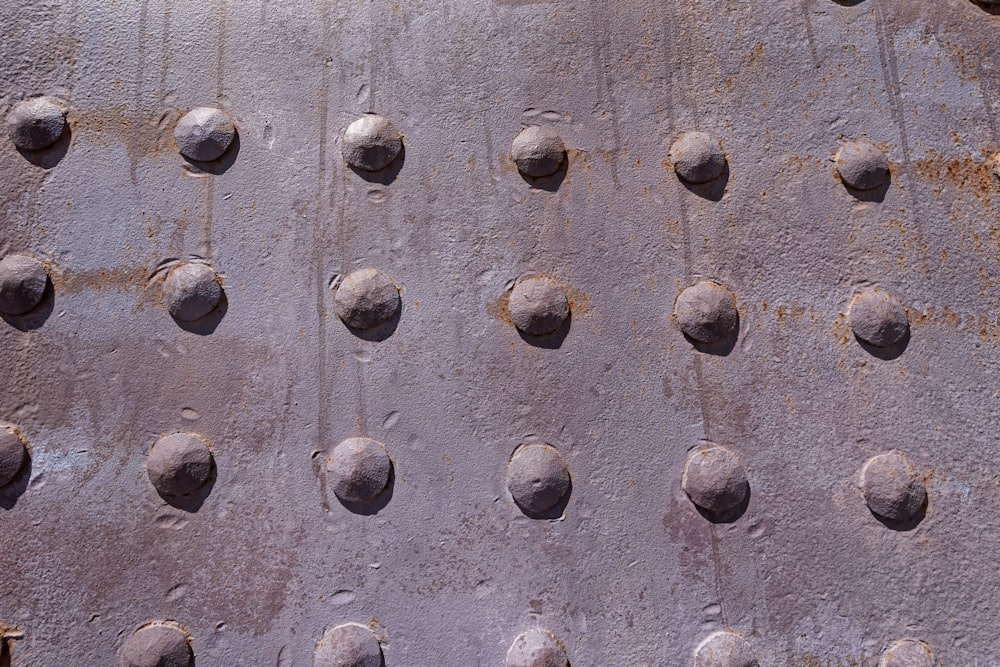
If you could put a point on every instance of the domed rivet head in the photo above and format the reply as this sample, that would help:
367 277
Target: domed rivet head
348 645
862 166
36 123
907 653
538 151
537 478
538 306
878 318
13 453
204 134
995 160
892 487
371 143
159 644
365 299
697 157
179 464
22 284
714 480
358 469
706 313
191 291
724 649
536 648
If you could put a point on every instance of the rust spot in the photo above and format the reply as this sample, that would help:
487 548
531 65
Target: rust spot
497 309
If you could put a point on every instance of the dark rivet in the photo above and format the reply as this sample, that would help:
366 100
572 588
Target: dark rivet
714 479
371 143
203 134
724 649
862 166
538 151
892 487
706 312
878 318
191 291
348 645
907 653
538 306
358 469
536 648
697 157
179 464
365 299
537 478
22 284
36 123
13 453
159 644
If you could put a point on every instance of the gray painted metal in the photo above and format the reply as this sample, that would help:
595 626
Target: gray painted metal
263 560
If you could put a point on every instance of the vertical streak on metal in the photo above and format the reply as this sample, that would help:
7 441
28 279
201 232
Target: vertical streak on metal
600 42
810 36
136 133
319 241
371 59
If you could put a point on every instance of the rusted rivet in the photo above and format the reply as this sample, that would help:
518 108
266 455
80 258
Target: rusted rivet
697 157
862 166
538 306
204 134
13 453
893 488
538 151
358 469
159 644
348 645
536 648
907 653
22 284
724 649
191 291
179 464
36 123
365 299
714 480
878 318
706 312
995 160
371 143
537 478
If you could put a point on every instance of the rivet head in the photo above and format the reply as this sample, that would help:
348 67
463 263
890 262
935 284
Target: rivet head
538 306
714 480
995 160
13 453
536 648
358 469
893 488
22 284
861 165
697 157
36 123
537 478
724 649
907 653
371 143
158 645
538 151
365 299
191 291
179 464
706 312
878 318
348 645
204 134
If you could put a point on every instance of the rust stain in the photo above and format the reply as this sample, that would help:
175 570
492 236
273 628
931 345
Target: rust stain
961 173
120 278
579 302
497 309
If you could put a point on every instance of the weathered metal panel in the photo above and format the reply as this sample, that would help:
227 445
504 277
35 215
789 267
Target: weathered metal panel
444 566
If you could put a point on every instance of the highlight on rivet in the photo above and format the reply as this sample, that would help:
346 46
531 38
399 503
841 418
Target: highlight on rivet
191 291
536 648
204 134
179 464
36 123
724 649
697 157
706 313
538 151
862 165
538 306
907 653
13 453
348 645
371 143
23 281
158 644
878 318
365 299
358 469
537 478
714 480
893 489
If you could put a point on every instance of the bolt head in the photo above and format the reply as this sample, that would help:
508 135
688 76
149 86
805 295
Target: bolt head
893 488
538 151
538 306
714 480
861 165
36 123
697 157
366 299
191 291
878 318
204 134
13 454
22 284
536 648
537 478
724 649
371 143
358 469
157 645
179 464
706 312
907 653
348 645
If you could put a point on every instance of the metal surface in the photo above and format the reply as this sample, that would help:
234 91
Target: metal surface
262 562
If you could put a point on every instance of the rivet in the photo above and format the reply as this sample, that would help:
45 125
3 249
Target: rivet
537 478
862 166
36 123
348 645
892 487
159 644
203 134
714 480
538 151
358 469
371 143
907 653
995 160
12 454
22 284
706 312
878 318
365 299
697 157
179 464
536 648
538 306
191 291
724 649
